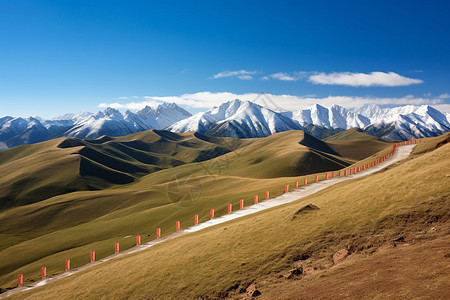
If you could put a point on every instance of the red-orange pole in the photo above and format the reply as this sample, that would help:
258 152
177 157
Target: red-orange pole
20 280
138 240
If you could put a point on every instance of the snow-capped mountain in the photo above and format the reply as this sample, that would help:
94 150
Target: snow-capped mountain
163 115
336 117
18 131
246 119
234 118
112 122
407 122
237 118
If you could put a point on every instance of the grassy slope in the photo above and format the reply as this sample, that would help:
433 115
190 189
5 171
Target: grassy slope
351 134
70 225
406 199
36 172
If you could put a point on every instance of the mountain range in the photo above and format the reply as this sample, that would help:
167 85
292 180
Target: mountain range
246 119
236 118
18 131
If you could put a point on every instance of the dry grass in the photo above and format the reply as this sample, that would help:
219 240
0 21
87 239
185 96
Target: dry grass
361 214
71 224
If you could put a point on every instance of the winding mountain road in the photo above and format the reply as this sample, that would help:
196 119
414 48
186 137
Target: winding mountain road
304 191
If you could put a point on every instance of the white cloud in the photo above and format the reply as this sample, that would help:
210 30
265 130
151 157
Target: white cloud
130 105
206 100
287 77
241 74
363 79
265 78
282 76
245 77
444 96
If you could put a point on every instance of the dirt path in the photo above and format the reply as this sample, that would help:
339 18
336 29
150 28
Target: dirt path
400 153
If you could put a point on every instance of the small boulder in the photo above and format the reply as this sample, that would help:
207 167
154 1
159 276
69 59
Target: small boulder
305 209
252 291
340 256
295 273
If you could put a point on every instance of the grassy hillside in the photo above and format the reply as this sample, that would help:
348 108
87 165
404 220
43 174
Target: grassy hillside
352 134
36 172
406 204
71 224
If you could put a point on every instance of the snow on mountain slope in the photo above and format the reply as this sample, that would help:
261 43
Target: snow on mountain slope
403 122
336 117
18 131
112 122
108 122
233 119
406 122
237 118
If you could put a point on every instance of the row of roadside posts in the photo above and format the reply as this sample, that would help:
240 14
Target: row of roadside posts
241 203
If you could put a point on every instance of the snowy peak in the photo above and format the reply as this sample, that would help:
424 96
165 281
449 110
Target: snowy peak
146 111
112 113
336 117
112 122
18 131
237 118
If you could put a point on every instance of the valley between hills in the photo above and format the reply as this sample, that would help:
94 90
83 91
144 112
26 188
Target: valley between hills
65 197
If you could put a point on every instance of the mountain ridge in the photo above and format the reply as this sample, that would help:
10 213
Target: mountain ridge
235 118
18 131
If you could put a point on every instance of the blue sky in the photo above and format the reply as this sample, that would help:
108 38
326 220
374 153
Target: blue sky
70 56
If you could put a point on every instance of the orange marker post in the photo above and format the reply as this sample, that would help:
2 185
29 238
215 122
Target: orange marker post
339 174
241 203
138 240
195 219
20 280
67 265
230 208
305 182
317 178
211 213
296 184
255 199
286 188
332 174
43 272
116 248
267 195
177 225
158 232
345 172
92 256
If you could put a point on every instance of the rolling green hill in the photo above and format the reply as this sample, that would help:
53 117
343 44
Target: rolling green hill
393 225
69 203
37 172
